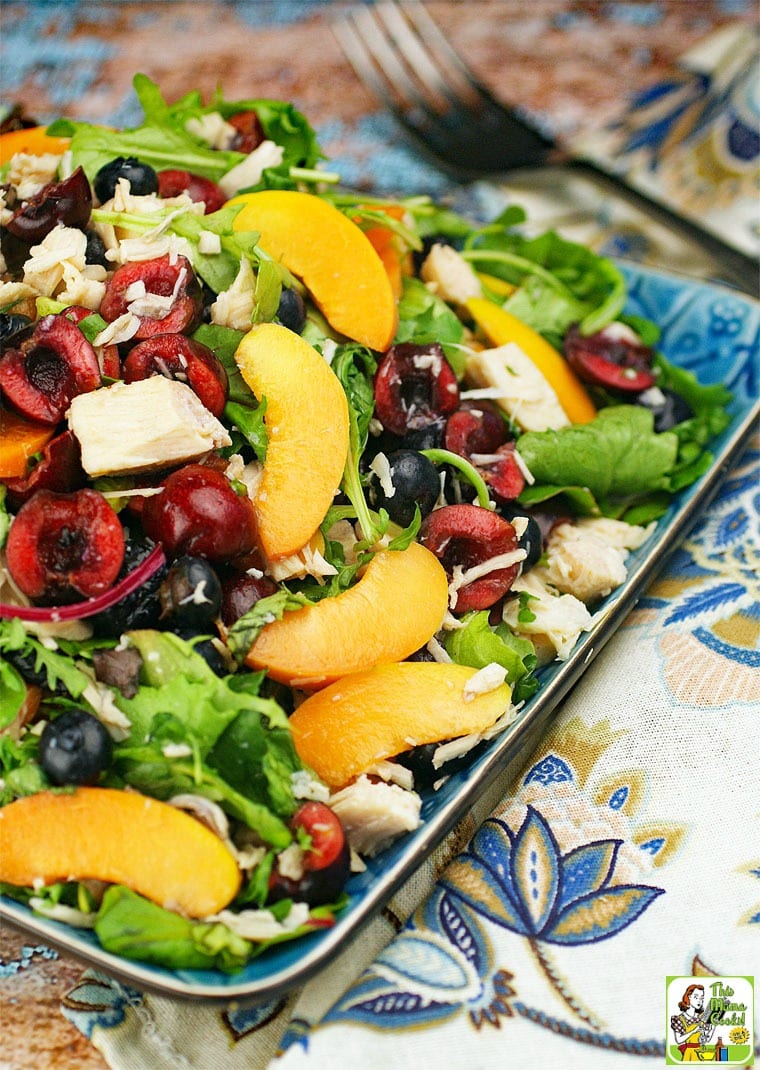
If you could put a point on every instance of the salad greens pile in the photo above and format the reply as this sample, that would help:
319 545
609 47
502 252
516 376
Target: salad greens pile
184 729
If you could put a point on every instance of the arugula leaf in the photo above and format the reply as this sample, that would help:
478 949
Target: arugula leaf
5 518
424 318
257 762
355 366
12 693
617 454
20 772
161 146
568 281
145 766
478 644
58 668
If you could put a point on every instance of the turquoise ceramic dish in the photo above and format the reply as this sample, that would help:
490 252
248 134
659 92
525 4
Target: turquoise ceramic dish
711 331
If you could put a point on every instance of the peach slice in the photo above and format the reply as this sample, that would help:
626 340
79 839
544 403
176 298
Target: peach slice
396 607
307 429
121 837
362 719
32 140
19 440
330 253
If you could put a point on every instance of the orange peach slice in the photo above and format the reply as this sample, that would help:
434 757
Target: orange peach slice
307 435
33 141
396 607
19 440
331 255
362 719
121 837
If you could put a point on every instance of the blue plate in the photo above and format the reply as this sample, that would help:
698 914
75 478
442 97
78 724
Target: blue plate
711 331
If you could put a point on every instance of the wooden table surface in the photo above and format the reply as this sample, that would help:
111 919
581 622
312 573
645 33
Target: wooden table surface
571 63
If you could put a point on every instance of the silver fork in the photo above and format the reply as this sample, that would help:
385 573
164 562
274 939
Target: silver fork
401 54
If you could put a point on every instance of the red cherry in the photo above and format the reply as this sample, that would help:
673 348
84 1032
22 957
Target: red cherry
474 428
65 547
110 362
504 476
414 386
165 278
607 360
178 357
326 864
198 189
468 535
199 513
250 132
40 378
59 469
241 592
68 203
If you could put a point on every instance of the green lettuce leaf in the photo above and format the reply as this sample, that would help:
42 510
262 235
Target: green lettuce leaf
616 455
131 926
478 644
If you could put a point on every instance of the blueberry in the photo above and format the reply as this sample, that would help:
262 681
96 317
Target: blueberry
95 250
531 539
12 328
419 761
202 644
190 594
141 177
429 437
75 748
414 480
141 608
667 407
291 312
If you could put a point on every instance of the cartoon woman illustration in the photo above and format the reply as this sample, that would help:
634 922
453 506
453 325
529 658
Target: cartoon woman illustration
691 1028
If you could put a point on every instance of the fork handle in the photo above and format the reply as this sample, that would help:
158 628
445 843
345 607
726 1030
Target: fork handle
739 268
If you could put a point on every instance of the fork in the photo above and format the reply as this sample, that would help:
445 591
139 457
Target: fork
399 52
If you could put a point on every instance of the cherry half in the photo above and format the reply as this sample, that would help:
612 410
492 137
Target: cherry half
414 386
59 469
177 357
40 378
326 864
164 277
199 189
68 203
608 360
468 535
65 547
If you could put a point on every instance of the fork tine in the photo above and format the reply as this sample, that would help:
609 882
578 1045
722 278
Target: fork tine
423 42
398 51
378 63
409 29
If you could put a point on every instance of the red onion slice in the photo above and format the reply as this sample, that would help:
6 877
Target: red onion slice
79 610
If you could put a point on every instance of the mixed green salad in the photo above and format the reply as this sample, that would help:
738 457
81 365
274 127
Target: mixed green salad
514 427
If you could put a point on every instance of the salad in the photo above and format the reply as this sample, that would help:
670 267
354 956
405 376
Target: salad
299 488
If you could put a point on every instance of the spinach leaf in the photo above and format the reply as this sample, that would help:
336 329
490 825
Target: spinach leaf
567 282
